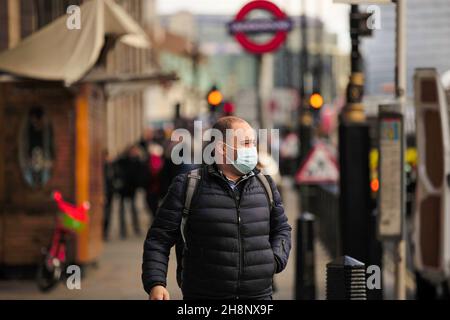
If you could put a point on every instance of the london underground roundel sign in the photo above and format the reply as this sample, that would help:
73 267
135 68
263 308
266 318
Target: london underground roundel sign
242 28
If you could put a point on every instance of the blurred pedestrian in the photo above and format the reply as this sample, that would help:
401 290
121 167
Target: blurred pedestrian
130 172
148 181
146 140
108 176
155 164
170 170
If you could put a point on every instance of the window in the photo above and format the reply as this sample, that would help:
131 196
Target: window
50 10
36 148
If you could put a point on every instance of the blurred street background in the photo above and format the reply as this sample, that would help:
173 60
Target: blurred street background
91 92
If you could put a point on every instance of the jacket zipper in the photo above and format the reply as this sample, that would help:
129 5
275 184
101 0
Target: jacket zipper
241 251
241 245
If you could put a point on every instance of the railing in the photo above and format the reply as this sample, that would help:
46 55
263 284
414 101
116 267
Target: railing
323 202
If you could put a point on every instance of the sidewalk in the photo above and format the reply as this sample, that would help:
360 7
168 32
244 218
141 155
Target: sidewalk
116 276
118 271
286 280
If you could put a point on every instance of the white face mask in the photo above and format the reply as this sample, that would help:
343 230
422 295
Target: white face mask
247 159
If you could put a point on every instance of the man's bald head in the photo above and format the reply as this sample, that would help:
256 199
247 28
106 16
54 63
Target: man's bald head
228 122
232 133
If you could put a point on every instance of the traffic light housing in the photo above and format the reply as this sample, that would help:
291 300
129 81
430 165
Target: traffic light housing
359 25
316 101
315 104
214 97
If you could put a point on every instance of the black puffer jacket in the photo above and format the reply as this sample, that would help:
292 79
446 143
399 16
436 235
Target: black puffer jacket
234 246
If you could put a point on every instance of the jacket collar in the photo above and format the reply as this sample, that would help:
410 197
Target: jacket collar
214 170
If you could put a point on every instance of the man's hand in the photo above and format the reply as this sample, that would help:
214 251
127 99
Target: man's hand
159 293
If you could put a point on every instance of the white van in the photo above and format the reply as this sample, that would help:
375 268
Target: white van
431 231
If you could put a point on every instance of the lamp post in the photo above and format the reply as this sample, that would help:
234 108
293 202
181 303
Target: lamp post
358 224
305 116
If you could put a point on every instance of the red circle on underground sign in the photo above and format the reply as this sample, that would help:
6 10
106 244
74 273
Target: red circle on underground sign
281 25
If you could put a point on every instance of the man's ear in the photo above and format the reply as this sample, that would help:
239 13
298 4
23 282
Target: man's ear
220 146
223 151
218 150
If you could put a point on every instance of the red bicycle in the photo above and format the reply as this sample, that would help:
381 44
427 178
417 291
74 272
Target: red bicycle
70 220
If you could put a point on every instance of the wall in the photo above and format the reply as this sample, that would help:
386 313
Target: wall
125 121
20 18
27 214
125 110
428 44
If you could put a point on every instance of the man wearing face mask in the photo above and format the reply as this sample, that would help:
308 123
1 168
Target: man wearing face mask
232 229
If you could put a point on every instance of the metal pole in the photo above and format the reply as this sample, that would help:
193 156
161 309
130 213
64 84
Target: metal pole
318 68
318 57
305 128
306 121
305 282
195 64
354 110
354 146
401 66
259 100
401 83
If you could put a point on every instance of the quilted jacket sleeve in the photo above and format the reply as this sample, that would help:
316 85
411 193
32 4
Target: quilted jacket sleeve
280 230
162 236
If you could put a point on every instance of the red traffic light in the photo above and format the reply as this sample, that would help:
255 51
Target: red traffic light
228 108
375 185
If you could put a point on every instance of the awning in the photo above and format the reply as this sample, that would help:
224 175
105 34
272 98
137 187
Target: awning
56 53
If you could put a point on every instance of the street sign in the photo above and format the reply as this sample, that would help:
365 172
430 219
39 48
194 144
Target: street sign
391 196
279 26
320 167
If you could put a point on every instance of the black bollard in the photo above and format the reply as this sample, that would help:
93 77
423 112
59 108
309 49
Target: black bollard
346 279
305 284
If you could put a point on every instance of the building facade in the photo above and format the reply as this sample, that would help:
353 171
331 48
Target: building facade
234 71
428 44
72 126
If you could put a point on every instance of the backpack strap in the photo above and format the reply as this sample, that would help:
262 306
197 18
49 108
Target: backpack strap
192 183
265 182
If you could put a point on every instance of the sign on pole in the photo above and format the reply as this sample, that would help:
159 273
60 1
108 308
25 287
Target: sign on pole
320 167
391 197
242 28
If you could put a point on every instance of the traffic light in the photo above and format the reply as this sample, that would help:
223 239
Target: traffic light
375 185
373 166
214 97
359 25
228 108
177 111
316 101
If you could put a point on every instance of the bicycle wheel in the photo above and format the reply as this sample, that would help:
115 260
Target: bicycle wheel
48 273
